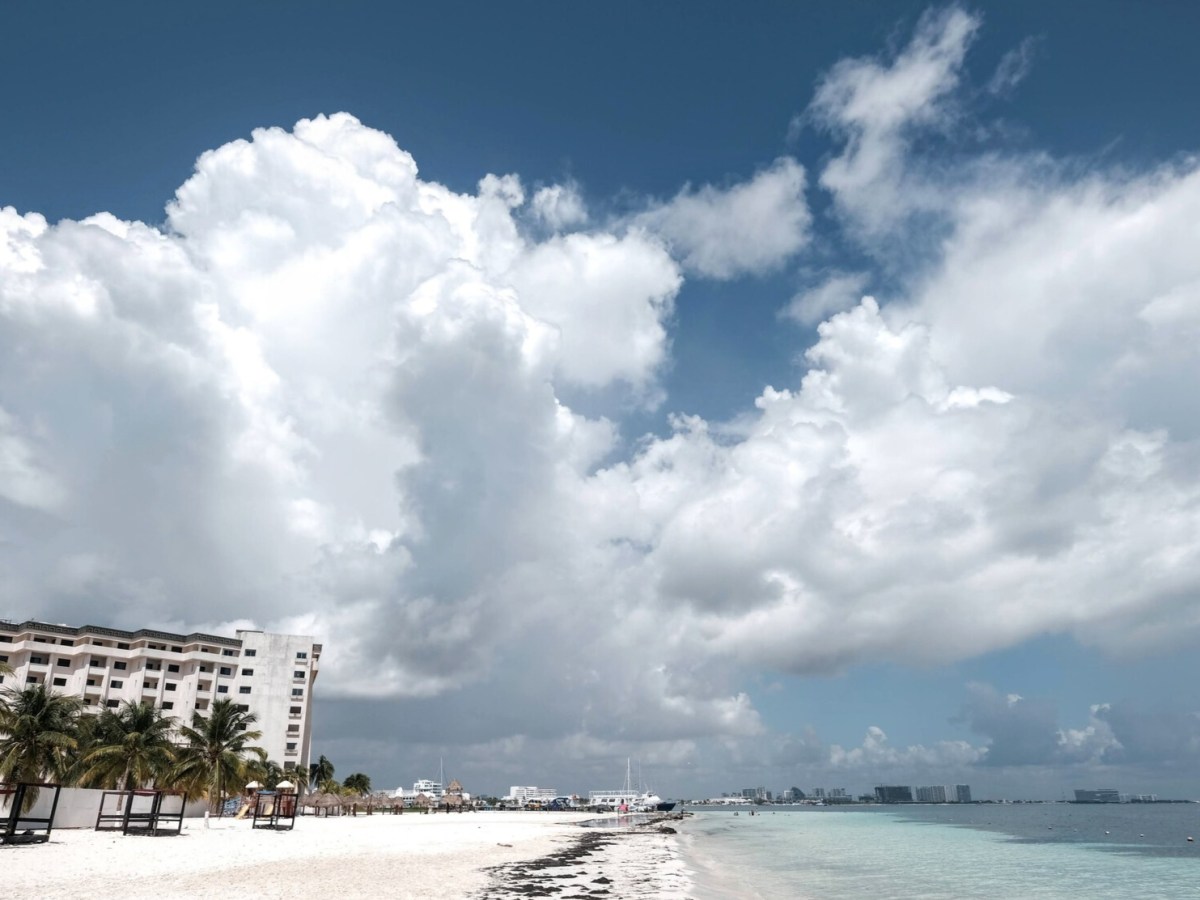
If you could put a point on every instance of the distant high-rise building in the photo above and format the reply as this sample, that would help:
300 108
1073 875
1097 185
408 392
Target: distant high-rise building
835 793
934 793
963 793
1104 795
819 793
893 793
750 793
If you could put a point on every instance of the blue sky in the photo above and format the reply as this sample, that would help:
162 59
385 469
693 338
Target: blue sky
939 534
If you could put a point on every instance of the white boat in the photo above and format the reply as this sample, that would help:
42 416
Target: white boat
631 798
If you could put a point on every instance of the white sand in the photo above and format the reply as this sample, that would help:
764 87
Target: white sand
419 856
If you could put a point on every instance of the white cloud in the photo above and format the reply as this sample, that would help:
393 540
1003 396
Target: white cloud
835 294
331 396
559 206
1013 68
749 228
876 105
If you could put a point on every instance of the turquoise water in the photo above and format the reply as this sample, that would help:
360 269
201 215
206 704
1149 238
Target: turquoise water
987 851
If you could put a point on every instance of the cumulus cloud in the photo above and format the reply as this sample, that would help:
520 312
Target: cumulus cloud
559 206
749 228
330 396
835 294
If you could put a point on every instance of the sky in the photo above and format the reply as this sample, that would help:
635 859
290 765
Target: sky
777 394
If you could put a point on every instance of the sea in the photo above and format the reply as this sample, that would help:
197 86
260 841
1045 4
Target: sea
955 851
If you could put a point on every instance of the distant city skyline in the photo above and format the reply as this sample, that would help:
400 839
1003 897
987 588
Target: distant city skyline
777 395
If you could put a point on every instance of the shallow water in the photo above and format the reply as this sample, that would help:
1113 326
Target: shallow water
970 851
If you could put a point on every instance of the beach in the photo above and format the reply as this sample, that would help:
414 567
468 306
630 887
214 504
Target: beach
482 855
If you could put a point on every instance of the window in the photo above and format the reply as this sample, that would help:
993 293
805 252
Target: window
5 639
96 662
172 667
3 658
120 665
116 684
222 689
41 640
122 646
250 653
244 689
64 663
176 649
301 655
150 685
60 682
171 685
293 729
91 682
225 670
297 692
154 665
170 704
66 643
299 673
291 747
247 671
32 679
111 704
229 653
294 710
37 660
205 669
209 649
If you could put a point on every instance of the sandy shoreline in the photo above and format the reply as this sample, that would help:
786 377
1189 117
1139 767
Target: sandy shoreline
489 854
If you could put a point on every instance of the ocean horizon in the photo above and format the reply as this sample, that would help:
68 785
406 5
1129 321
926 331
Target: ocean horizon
1050 850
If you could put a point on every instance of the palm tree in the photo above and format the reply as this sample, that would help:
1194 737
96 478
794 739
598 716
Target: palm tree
358 783
39 731
214 758
320 772
266 772
132 747
297 775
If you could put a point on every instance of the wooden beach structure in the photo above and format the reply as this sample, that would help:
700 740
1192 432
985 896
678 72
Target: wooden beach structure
148 812
19 827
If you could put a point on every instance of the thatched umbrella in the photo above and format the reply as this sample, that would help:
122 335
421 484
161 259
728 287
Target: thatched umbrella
328 801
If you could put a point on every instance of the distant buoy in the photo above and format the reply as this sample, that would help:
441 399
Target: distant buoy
1190 839
1108 832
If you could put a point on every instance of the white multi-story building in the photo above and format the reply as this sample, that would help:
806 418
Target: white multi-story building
523 794
934 793
271 675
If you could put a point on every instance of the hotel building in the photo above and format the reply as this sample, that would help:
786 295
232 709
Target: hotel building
270 675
